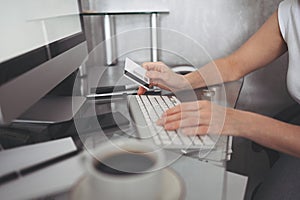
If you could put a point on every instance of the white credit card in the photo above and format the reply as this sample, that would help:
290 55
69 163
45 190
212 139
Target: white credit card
136 73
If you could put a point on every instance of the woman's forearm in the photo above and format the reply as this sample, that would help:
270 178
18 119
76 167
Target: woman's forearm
215 72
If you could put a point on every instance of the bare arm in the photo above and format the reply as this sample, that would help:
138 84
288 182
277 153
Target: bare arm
262 48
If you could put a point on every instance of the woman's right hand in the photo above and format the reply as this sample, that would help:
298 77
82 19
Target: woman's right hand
162 76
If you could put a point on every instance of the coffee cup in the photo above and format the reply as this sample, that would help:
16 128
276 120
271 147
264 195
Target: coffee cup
124 169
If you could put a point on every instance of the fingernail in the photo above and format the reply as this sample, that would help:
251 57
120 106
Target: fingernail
160 122
167 127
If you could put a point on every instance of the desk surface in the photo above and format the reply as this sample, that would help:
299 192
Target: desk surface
200 180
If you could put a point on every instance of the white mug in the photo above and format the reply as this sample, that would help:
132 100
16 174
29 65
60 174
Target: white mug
124 169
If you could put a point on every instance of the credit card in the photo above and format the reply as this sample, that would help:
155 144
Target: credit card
136 73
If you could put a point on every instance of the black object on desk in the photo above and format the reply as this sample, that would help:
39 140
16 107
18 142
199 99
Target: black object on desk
105 121
109 89
111 92
19 134
110 120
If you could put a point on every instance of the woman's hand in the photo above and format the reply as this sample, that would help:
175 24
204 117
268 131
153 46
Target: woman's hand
162 76
199 118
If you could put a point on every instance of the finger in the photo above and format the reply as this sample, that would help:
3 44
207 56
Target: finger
177 116
163 87
148 65
183 107
187 119
190 106
170 118
155 75
188 122
156 66
157 79
195 130
141 90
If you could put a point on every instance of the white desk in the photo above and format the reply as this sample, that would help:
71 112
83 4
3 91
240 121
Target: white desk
202 181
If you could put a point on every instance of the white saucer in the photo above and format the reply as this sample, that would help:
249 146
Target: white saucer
173 187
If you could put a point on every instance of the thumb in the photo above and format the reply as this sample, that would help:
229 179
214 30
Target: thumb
155 75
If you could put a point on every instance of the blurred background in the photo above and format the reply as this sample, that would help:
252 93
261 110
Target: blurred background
219 27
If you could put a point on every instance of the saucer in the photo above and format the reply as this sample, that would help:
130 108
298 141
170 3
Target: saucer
173 187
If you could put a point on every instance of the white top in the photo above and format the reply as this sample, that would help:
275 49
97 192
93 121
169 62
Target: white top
289 22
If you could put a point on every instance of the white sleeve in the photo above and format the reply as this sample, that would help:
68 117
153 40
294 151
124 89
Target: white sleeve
284 11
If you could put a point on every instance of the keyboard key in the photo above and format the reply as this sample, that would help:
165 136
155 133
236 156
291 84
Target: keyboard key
174 137
197 140
206 140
